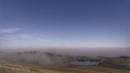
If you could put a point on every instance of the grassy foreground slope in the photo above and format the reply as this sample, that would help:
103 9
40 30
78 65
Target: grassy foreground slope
13 68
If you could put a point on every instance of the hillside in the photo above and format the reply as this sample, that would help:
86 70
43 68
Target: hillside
15 68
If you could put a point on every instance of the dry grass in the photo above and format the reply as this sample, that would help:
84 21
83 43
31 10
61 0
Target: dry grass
13 68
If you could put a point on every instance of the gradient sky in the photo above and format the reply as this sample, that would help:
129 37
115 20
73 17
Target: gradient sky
64 23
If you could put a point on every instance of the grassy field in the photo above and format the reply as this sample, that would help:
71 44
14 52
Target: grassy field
15 68
31 62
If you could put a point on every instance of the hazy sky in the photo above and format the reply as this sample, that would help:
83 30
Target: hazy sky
64 23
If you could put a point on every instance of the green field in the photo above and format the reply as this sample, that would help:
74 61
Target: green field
15 68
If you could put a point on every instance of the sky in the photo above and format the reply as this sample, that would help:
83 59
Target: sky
64 23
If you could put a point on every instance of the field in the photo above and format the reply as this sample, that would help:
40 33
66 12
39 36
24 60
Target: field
36 62
15 68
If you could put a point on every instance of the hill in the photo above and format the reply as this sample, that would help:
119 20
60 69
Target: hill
15 68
